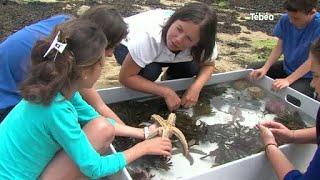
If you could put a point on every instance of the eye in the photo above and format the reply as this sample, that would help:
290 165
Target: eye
179 29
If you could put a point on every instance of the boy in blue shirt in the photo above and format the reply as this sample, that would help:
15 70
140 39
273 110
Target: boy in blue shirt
296 30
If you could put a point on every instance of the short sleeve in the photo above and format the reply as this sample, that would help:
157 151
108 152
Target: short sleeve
279 28
214 53
292 175
144 49
85 111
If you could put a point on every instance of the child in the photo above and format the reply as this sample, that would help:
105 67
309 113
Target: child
183 41
42 135
15 54
271 132
296 30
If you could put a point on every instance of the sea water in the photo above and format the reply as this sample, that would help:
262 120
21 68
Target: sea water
229 119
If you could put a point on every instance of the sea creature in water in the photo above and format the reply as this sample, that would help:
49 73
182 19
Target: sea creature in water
240 84
139 173
291 119
236 114
234 142
167 129
275 106
255 92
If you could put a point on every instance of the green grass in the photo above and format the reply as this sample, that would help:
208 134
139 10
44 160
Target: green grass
261 49
268 43
222 3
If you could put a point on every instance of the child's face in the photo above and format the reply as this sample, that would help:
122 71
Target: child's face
315 68
300 19
182 35
92 74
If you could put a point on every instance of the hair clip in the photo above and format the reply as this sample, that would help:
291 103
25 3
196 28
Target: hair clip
59 46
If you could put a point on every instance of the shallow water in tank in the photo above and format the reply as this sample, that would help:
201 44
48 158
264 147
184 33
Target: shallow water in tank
227 112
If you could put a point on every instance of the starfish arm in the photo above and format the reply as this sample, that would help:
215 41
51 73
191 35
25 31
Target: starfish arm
166 132
172 119
182 139
158 119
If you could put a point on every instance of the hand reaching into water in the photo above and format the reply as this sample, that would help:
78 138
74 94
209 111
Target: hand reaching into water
157 146
281 133
266 135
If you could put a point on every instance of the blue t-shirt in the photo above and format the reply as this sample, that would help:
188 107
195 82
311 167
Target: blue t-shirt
32 134
296 42
15 54
313 172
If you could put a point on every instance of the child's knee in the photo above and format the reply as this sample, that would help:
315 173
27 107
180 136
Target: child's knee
104 128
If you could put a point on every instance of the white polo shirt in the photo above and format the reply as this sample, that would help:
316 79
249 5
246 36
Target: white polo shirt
144 40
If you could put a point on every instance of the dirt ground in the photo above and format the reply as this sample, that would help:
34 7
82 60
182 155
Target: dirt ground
240 39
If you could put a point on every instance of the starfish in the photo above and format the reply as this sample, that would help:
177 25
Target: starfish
167 129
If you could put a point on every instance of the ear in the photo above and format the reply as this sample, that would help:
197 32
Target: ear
313 11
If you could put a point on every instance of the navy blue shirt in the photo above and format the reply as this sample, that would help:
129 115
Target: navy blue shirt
313 171
15 54
296 42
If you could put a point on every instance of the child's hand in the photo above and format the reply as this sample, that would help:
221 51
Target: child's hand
258 73
173 101
157 146
280 84
266 135
190 97
281 133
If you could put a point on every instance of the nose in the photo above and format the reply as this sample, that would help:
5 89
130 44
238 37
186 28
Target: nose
179 40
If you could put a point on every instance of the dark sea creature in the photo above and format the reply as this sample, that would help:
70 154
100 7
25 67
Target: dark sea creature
291 119
255 92
139 174
202 109
240 84
234 142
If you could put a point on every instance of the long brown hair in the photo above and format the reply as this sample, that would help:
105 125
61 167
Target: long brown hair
203 15
56 72
110 21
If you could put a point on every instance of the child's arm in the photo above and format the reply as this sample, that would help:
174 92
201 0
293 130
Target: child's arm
278 160
66 131
129 77
94 99
127 131
155 146
305 136
282 166
297 74
284 135
273 57
190 97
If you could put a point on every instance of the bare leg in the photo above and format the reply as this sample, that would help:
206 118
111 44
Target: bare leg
100 134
